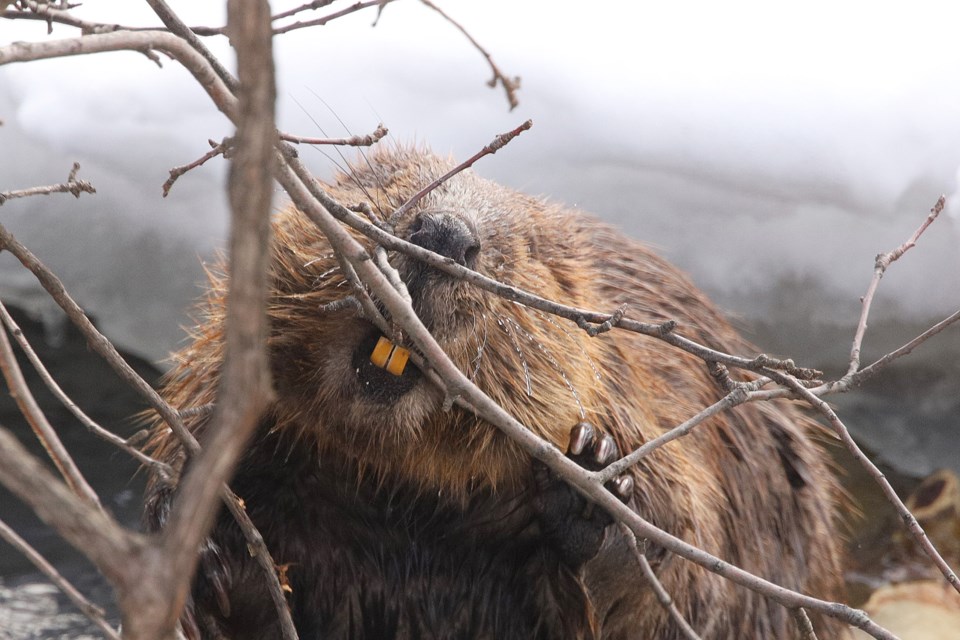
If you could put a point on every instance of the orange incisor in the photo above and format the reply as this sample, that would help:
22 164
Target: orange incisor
389 356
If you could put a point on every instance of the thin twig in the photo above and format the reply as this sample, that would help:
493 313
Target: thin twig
498 143
258 550
595 330
738 396
176 172
874 367
161 468
41 427
72 185
92 611
661 593
46 12
310 6
88 27
510 85
353 141
883 261
329 18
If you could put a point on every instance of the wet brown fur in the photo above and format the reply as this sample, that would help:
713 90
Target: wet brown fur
750 486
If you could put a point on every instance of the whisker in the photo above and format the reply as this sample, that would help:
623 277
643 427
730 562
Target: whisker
481 345
519 351
593 365
366 160
553 363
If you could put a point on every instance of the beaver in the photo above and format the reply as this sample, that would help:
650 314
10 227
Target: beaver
393 515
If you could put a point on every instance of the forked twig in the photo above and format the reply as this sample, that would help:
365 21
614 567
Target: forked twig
498 143
72 186
883 261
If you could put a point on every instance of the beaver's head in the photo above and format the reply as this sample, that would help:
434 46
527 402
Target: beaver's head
343 384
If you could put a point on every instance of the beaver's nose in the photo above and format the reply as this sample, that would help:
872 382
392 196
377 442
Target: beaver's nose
447 235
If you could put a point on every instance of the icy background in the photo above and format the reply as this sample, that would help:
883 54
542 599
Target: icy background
771 150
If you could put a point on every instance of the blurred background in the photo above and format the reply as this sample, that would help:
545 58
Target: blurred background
769 149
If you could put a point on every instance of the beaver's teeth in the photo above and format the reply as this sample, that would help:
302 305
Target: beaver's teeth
381 352
389 356
398 361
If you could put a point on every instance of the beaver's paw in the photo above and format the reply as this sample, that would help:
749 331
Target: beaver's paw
571 523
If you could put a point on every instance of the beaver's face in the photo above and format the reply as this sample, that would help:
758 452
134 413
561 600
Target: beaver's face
352 383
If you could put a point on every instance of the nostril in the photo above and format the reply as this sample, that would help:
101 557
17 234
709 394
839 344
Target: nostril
447 235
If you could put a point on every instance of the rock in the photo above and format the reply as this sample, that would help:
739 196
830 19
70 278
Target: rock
922 610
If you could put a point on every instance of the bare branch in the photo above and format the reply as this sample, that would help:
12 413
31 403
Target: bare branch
258 549
49 14
20 392
245 388
161 468
498 143
804 624
353 141
87 27
92 611
72 185
510 85
594 330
